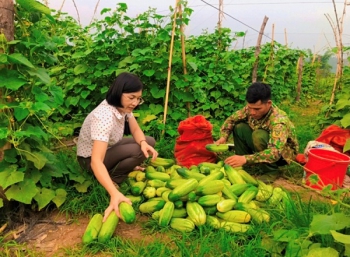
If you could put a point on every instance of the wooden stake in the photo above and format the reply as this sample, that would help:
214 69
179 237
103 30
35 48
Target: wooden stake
183 53
257 50
62 5
95 10
271 57
300 76
170 61
338 34
221 14
285 37
76 8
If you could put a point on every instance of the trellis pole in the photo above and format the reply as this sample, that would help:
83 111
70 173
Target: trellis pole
183 53
177 2
257 50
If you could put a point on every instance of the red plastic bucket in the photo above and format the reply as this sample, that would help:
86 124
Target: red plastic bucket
329 166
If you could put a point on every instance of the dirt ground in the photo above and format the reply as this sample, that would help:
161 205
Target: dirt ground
52 234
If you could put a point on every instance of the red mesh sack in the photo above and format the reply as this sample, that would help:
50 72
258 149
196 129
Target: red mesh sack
335 137
195 133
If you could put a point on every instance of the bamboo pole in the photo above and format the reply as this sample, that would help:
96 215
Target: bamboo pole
338 32
177 2
257 50
271 57
183 53
95 10
62 5
221 14
76 8
286 37
300 76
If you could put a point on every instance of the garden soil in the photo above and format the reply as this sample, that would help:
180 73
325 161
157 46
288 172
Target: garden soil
55 232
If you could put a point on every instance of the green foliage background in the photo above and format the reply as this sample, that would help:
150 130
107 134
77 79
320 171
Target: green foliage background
55 72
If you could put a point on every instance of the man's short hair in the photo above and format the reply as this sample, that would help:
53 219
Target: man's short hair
258 91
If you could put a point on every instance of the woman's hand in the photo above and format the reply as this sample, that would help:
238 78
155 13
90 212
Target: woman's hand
114 204
148 150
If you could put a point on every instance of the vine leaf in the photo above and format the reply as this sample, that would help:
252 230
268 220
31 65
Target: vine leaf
323 224
60 197
10 176
33 6
149 73
157 93
346 146
149 118
22 192
345 121
20 59
80 69
38 159
11 80
41 74
342 238
82 187
44 197
319 252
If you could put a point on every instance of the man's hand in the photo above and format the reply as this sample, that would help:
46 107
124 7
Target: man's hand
220 141
236 160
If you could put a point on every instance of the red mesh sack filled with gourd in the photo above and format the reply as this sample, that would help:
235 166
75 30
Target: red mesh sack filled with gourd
195 133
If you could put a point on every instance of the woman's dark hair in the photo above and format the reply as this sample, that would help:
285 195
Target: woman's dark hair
125 82
258 91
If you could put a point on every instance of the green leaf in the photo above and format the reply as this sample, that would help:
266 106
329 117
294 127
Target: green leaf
84 103
283 235
20 113
39 106
82 187
157 93
339 237
76 177
38 159
80 69
22 192
323 224
10 79
18 58
10 176
84 94
3 58
193 66
34 6
125 62
40 96
345 148
1 203
60 197
57 94
148 73
341 104
44 197
41 74
345 121
322 252
148 118
3 133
